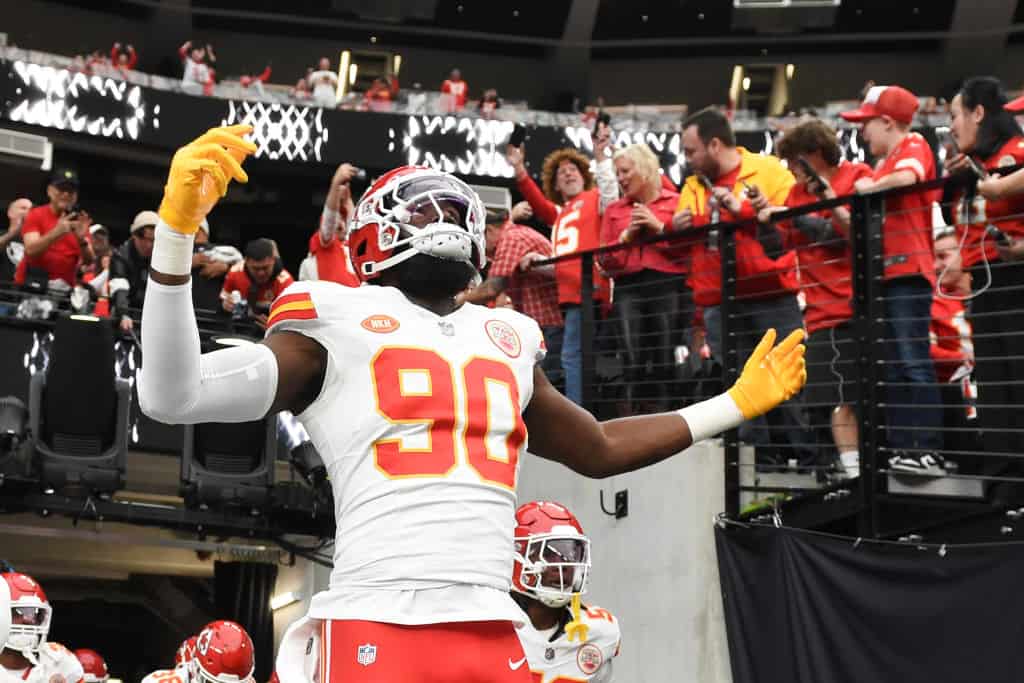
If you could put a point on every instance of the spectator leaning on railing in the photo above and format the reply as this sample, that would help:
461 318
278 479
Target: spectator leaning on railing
328 257
55 234
572 205
652 303
12 249
909 279
765 287
511 251
256 282
987 132
324 84
197 76
454 92
821 242
129 268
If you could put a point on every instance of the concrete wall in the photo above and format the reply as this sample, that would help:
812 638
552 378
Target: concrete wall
656 569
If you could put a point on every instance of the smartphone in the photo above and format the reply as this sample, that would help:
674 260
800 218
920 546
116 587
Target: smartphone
811 174
73 211
518 136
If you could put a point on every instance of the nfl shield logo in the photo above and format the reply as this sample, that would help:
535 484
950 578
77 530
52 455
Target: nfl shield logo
367 654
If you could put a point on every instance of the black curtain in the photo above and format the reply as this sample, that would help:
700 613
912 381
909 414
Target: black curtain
242 593
802 607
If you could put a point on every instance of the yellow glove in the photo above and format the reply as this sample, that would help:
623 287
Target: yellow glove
200 173
771 375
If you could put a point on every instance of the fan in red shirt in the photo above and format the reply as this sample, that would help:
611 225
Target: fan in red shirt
55 234
455 91
123 61
821 243
257 281
988 133
572 205
885 117
328 247
651 298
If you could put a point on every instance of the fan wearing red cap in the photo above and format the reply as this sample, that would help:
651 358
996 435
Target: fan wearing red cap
905 158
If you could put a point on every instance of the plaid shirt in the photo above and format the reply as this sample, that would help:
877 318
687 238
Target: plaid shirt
533 293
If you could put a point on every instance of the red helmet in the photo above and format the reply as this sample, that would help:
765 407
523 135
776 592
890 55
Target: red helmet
224 654
93 665
30 614
416 210
552 554
186 652
274 678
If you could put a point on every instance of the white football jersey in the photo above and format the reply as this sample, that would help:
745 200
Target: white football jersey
56 664
176 675
420 426
559 661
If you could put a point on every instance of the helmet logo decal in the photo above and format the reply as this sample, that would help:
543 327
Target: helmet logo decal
203 642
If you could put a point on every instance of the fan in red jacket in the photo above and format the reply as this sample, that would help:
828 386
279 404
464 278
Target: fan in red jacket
821 243
572 204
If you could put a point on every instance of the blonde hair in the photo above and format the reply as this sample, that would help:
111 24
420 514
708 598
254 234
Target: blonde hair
645 163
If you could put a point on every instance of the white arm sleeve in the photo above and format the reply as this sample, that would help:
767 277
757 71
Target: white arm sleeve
180 385
607 186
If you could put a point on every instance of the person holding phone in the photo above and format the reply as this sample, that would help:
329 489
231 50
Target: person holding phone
988 134
55 234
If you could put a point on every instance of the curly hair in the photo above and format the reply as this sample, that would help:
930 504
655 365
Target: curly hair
550 170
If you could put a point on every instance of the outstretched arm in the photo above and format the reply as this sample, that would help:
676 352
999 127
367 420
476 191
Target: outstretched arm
178 384
562 431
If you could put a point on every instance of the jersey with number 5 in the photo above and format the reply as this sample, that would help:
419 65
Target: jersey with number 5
578 228
420 426
563 661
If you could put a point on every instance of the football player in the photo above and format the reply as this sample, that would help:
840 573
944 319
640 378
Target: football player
93 666
419 408
221 653
26 654
563 638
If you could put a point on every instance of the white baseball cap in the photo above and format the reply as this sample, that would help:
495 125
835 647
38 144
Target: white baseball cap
145 219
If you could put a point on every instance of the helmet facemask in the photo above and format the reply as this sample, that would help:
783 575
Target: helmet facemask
30 624
431 213
555 567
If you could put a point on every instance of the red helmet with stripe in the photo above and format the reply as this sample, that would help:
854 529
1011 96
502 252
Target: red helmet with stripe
224 654
416 210
186 652
552 554
30 614
93 665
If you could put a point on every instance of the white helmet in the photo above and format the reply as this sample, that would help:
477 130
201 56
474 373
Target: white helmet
30 614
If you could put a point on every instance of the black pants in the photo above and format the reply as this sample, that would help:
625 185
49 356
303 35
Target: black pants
653 310
997 316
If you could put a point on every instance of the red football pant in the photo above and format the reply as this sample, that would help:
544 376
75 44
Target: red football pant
474 652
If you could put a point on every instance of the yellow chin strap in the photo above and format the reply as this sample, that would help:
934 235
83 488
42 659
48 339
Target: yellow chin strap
576 627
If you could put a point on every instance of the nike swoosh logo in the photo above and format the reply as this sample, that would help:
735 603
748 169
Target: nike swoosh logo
515 665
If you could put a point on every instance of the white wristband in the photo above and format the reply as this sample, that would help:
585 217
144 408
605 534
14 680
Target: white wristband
172 251
711 417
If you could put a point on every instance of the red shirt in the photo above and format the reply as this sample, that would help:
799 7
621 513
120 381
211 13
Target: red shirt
757 275
825 276
576 226
533 293
617 218
1007 214
237 280
61 259
332 261
458 90
907 228
950 332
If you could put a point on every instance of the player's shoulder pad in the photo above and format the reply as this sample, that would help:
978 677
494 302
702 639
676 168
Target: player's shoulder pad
528 335
311 303
604 631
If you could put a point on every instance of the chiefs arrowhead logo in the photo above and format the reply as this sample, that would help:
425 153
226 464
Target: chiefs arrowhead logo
504 337
381 324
